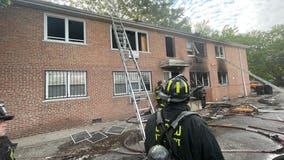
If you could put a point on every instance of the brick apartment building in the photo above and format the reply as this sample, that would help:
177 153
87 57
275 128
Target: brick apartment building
60 67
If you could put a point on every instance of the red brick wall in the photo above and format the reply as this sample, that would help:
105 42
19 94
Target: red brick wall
25 56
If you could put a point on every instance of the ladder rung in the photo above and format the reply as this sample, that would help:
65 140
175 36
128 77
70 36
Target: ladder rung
143 109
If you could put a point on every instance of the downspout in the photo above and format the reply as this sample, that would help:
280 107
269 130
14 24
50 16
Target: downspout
242 72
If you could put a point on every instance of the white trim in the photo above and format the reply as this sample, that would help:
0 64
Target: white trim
219 48
136 31
66 25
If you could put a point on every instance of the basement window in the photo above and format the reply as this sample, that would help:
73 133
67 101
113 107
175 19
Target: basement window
62 29
170 46
65 84
199 79
222 78
219 51
138 40
120 82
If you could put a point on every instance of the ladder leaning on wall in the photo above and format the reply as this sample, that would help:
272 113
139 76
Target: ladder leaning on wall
129 60
255 76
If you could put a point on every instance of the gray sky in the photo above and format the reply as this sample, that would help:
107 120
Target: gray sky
245 14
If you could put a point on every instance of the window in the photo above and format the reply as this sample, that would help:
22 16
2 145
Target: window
219 51
189 48
65 84
200 51
199 79
64 29
120 81
170 47
138 40
167 75
222 78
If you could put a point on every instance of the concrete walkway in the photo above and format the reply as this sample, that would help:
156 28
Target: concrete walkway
42 146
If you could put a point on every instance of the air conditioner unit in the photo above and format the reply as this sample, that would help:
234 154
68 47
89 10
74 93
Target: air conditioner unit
135 55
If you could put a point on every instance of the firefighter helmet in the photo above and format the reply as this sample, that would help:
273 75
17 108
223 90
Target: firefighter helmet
3 113
177 89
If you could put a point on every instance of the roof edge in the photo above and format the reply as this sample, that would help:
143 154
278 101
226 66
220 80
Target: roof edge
63 8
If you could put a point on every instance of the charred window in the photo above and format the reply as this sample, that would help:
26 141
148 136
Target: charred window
222 78
199 79
200 51
170 47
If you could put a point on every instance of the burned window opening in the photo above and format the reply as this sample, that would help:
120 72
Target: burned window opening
199 79
200 49
170 47
222 78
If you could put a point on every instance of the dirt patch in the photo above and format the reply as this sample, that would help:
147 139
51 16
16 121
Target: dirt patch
87 149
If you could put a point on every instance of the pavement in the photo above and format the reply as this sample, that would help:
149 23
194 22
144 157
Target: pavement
44 146
236 144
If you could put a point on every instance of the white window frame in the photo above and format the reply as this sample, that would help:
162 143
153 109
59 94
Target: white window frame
66 25
136 39
67 83
220 49
167 75
126 83
189 49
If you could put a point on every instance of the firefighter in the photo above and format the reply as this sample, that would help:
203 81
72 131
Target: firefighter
159 88
6 146
191 138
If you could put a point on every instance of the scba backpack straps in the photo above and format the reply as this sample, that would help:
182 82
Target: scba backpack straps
166 133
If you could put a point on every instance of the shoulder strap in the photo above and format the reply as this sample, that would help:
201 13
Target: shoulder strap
168 132
180 117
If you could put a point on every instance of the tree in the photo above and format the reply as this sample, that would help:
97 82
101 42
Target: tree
5 3
204 29
265 52
157 12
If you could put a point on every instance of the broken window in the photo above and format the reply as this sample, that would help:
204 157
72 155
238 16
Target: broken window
199 79
200 51
57 27
219 51
65 84
189 48
137 40
222 78
170 47
120 82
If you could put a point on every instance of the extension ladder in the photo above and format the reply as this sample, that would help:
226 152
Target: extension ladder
139 97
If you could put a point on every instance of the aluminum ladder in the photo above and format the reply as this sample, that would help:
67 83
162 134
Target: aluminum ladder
140 98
